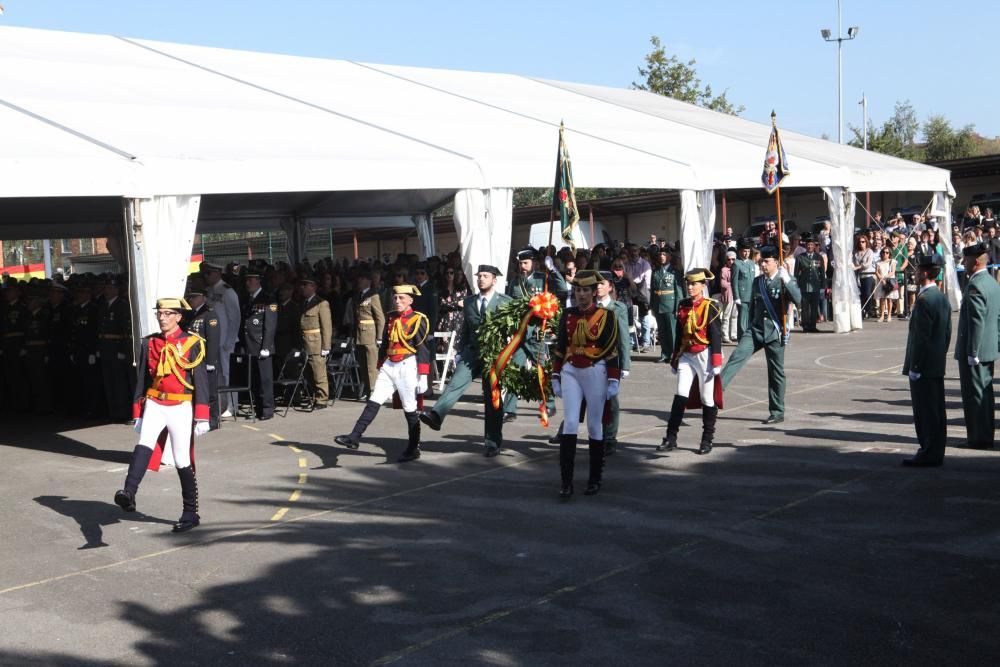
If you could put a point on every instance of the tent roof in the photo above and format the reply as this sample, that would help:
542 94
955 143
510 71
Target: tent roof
97 115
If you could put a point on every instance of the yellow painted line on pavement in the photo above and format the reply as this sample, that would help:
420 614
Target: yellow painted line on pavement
276 437
302 477
302 462
295 449
252 428
265 526
296 494
280 513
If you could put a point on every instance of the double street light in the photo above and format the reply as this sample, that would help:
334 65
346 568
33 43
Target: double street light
852 32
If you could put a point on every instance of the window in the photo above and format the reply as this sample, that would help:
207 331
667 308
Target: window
86 246
66 246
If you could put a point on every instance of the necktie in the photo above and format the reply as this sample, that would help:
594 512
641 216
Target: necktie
482 305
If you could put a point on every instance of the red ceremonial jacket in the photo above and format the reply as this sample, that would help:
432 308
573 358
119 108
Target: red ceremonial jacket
172 371
586 337
406 335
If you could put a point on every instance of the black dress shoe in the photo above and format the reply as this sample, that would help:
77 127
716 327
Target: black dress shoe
431 418
921 463
491 452
705 448
320 405
347 441
184 525
409 455
508 417
566 491
555 440
773 420
125 500
667 445
592 488
264 418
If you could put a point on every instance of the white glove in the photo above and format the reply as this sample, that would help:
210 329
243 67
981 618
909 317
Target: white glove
556 386
458 358
200 428
549 264
421 384
716 371
613 388
209 368
138 425
324 353
92 360
738 302
673 369
98 355
973 361
264 353
914 375
784 275
625 374
121 356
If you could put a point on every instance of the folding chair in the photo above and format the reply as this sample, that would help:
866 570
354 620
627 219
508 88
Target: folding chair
342 368
446 361
293 376
241 382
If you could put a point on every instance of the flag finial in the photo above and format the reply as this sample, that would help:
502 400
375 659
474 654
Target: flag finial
774 118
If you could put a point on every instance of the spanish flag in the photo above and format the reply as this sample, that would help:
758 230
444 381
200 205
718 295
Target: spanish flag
775 162
563 194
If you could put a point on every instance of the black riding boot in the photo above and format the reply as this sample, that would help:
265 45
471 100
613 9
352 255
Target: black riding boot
596 467
136 469
709 415
669 441
367 416
567 456
189 495
413 432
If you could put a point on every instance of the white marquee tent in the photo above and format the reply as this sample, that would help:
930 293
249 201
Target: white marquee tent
98 129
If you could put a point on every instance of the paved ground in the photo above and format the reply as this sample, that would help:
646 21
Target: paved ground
805 544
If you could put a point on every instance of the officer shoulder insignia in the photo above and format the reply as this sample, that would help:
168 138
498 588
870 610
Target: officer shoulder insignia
213 323
274 307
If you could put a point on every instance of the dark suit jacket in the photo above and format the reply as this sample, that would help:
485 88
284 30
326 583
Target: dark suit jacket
468 342
205 324
930 335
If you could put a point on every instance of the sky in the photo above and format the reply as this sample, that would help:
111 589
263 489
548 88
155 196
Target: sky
942 57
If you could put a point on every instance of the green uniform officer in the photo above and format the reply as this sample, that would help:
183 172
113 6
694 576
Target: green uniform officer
666 291
976 346
926 351
606 299
810 274
765 330
468 365
527 283
744 272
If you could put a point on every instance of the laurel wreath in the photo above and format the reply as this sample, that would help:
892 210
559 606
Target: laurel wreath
496 331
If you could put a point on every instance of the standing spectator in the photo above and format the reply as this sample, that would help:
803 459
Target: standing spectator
451 303
744 271
114 349
810 274
899 257
910 274
886 288
730 318
368 326
639 272
864 268
260 321
316 325
225 301
665 293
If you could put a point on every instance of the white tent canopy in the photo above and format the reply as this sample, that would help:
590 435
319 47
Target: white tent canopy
251 134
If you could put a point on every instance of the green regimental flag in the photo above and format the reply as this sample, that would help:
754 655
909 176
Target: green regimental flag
563 194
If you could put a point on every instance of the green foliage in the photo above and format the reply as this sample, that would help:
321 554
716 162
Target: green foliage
946 143
496 331
897 136
669 76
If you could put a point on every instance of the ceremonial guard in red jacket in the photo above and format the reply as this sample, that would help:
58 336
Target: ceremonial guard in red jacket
171 395
404 362
697 361
585 368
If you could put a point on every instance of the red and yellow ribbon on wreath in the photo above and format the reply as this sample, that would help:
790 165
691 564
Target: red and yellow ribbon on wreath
542 306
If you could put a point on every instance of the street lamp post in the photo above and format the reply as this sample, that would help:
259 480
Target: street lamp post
852 32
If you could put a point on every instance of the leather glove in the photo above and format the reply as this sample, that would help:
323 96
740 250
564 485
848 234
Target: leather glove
138 425
324 353
784 275
209 368
614 386
556 386
92 360
264 354
421 384
973 361
200 428
121 356
914 375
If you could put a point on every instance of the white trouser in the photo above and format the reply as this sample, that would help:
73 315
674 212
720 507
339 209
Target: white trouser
398 376
579 384
178 420
730 321
694 367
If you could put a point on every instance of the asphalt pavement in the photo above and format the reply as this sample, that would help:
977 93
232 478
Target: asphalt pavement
802 543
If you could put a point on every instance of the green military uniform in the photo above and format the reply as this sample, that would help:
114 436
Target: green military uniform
744 272
524 287
625 360
977 342
316 325
765 332
468 366
926 350
666 291
811 278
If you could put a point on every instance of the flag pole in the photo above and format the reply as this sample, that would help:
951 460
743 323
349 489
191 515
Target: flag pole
781 233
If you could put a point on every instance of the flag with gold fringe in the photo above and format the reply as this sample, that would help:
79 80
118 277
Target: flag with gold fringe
775 161
563 195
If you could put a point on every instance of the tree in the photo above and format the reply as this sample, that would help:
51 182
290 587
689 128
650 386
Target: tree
896 136
946 143
668 76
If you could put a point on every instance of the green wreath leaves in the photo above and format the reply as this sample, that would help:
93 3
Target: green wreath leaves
496 331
